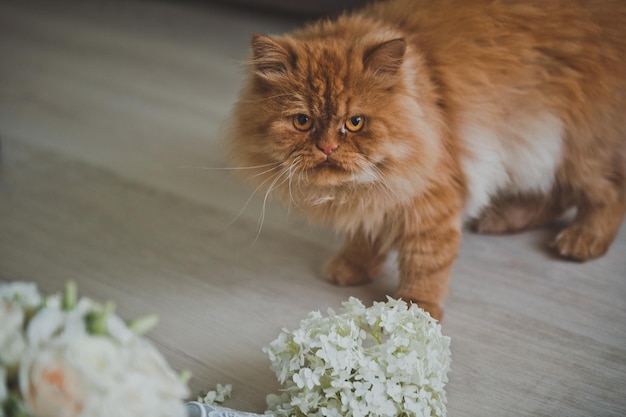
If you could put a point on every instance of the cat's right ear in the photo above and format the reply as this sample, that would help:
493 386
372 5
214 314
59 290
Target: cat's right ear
269 58
385 58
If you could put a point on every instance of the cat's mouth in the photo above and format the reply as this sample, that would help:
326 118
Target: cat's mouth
329 164
328 172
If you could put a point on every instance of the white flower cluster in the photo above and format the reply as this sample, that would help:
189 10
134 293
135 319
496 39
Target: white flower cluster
220 394
60 356
386 360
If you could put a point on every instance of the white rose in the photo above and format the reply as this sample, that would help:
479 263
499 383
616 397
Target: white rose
25 293
118 330
3 387
58 378
68 370
98 359
51 387
146 386
136 395
11 338
149 362
46 323
51 322
95 376
11 316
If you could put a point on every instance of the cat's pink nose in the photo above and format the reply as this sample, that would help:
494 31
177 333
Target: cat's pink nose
327 148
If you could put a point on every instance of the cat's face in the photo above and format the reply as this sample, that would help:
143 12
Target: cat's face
334 115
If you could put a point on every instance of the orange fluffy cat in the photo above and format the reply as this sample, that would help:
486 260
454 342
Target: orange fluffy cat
397 123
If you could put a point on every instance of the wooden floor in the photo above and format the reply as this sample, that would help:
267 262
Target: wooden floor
103 104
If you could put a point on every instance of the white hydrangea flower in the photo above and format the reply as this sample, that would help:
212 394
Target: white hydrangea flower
386 360
217 396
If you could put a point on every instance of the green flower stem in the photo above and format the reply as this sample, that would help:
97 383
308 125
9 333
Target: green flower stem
97 320
70 296
376 332
12 407
185 376
142 325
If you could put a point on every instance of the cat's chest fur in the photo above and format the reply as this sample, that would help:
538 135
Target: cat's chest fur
515 155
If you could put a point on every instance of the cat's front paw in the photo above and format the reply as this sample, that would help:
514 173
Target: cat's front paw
510 217
342 272
490 222
580 244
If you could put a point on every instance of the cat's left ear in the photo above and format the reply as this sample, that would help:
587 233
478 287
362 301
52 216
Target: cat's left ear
386 57
269 57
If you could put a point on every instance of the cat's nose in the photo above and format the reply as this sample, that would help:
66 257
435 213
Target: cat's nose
327 148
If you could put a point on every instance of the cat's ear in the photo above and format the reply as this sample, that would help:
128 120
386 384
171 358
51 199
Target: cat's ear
269 57
386 57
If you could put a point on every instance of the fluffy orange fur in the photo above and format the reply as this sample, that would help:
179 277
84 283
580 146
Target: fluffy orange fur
397 122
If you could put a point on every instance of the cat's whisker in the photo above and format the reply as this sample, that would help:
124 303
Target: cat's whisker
266 171
272 187
300 174
245 206
294 165
274 166
306 175
227 168
383 181
380 176
289 174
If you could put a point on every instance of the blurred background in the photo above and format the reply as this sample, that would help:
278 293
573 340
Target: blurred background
306 9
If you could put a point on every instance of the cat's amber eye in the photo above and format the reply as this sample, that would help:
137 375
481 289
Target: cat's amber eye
355 123
302 122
